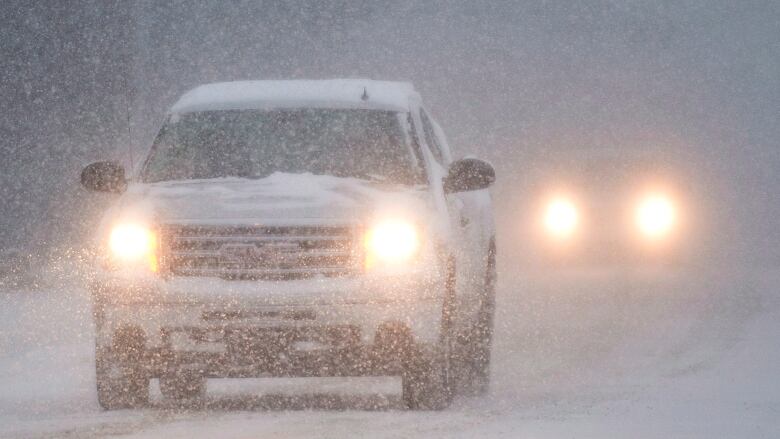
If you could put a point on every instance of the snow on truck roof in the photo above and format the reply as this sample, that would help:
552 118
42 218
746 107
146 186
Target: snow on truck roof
332 93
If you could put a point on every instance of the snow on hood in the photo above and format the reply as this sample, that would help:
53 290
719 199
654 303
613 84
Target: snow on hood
278 198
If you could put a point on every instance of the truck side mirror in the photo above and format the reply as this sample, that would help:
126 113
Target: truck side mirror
104 177
469 175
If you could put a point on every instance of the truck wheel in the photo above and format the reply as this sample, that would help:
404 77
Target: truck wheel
122 381
426 383
181 386
474 367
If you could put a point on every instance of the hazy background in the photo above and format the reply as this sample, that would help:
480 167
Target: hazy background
516 83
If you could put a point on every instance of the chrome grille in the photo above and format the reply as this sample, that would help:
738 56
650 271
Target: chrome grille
259 252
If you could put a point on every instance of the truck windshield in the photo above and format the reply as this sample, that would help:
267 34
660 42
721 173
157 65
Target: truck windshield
368 144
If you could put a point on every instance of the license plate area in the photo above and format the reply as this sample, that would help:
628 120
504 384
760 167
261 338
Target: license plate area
262 345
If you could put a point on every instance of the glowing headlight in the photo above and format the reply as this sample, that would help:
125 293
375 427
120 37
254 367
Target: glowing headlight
131 243
655 215
391 241
561 218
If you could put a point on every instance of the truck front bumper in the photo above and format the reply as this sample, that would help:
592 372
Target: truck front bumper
312 327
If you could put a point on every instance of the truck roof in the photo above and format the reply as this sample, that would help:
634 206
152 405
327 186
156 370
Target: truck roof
330 93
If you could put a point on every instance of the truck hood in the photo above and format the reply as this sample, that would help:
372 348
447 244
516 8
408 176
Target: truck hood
279 197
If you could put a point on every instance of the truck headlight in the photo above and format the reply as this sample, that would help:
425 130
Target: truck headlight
561 218
133 244
391 241
655 216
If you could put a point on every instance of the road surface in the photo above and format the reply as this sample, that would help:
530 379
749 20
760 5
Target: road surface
612 353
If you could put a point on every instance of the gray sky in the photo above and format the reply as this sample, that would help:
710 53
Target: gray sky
516 83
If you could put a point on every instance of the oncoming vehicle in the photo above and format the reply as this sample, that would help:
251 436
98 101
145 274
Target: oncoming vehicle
603 207
295 228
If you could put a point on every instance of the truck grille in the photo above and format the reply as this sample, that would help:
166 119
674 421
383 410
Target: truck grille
260 252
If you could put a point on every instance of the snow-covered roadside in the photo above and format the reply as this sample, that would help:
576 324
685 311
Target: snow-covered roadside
699 359
588 355
45 355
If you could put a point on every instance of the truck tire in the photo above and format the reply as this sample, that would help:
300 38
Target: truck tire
181 386
475 348
426 383
122 381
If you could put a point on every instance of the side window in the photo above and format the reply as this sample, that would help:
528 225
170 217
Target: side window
430 138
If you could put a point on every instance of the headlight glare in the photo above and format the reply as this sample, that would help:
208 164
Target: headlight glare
133 243
561 218
391 241
655 216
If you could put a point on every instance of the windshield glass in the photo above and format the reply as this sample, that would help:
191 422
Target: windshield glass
367 144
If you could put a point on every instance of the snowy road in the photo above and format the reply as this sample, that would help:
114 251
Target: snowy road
587 355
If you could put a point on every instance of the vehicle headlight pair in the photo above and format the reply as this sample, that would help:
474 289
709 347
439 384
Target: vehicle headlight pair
655 216
133 244
389 242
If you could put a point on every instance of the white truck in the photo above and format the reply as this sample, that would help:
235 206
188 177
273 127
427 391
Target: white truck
295 228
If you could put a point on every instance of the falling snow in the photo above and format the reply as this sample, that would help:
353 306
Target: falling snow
634 212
